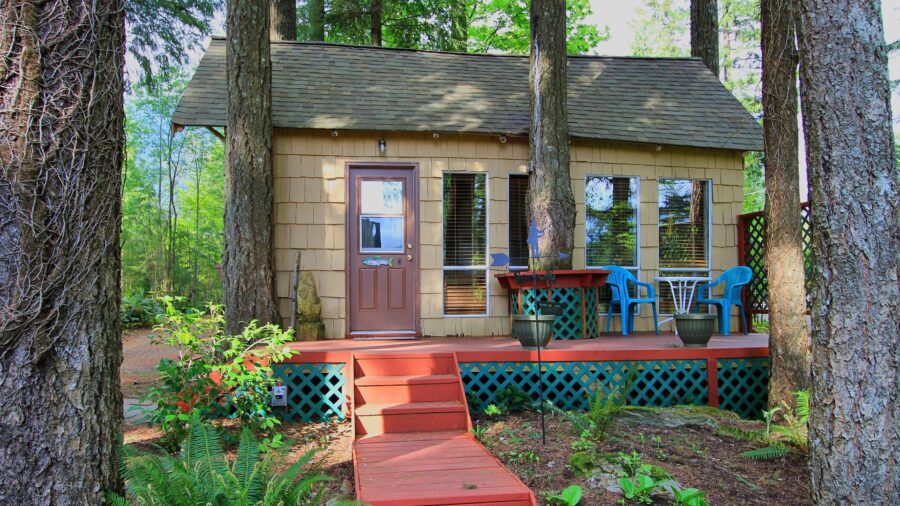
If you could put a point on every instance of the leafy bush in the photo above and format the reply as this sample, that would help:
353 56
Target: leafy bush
639 489
216 374
138 310
201 474
689 496
513 399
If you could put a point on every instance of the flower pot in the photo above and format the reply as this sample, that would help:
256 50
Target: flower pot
533 332
695 330
551 308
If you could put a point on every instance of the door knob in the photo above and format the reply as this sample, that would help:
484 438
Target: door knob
409 257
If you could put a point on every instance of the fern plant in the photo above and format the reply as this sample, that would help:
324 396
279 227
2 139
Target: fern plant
776 436
201 474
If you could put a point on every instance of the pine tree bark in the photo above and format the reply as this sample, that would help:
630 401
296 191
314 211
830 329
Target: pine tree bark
459 26
551 203
855 408
248 260
705 33
61 151
283 19
316 19
375 22
788 330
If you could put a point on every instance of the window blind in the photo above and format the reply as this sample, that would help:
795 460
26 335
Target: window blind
683 224
611 221
465 244
518 221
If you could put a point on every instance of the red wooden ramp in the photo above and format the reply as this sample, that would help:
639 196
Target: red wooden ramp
413 446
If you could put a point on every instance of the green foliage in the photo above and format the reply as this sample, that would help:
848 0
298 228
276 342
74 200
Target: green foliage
215 374
771 452
571 496
161 33
661 29
632 466
593 426
480 433
639 489
503 25
201 474
689 496
138 310
582 463
490 25
172 198
513 399
492 410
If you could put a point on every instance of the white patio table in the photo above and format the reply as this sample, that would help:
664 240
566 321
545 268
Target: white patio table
683 288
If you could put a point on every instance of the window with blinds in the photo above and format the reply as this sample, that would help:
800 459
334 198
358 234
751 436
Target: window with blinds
611 221
683 224
465 244
683 233
518 222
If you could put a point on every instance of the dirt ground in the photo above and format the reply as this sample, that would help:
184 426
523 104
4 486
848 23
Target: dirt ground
695 453
140 357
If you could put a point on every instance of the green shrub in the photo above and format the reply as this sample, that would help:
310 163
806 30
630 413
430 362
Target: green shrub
215 375
138 310
201 474
571 496
513 399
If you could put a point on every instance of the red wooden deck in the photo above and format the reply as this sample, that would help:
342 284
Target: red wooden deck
643 346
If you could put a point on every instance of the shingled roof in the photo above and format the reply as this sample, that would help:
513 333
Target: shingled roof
673 101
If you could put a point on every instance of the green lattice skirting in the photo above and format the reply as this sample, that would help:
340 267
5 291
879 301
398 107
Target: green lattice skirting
568 385
579 319
314 391
744 385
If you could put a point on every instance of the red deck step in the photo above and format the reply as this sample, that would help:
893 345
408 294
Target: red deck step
413 447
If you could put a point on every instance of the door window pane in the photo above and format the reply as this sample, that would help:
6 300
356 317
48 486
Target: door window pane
381 234
381 197
683 224
611 221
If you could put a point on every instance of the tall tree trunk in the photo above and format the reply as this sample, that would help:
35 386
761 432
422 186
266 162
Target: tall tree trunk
854 429
283 19
375 22
248 260
551 203
61 151
788 330
705 33
316 19
459 26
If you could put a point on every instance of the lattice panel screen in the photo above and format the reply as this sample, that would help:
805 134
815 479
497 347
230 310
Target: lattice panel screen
570 384
752 231
576 322
744 385
314 391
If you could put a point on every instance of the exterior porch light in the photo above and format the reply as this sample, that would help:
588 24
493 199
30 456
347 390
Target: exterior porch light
503 139
382 146
435 135
334 133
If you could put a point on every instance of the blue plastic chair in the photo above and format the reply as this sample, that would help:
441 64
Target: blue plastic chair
734 279
618 281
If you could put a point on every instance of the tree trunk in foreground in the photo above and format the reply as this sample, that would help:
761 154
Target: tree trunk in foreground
316 20
705 33
248 272
375 20
283 19
61 149
855 409
788 330
551 203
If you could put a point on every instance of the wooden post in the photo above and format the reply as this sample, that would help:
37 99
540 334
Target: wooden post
712 381
295 281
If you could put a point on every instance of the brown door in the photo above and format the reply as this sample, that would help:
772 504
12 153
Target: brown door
382 253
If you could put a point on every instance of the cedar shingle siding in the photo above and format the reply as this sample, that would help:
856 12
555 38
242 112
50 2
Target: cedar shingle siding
668 101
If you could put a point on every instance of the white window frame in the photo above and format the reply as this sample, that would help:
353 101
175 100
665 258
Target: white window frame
663 271
487 246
